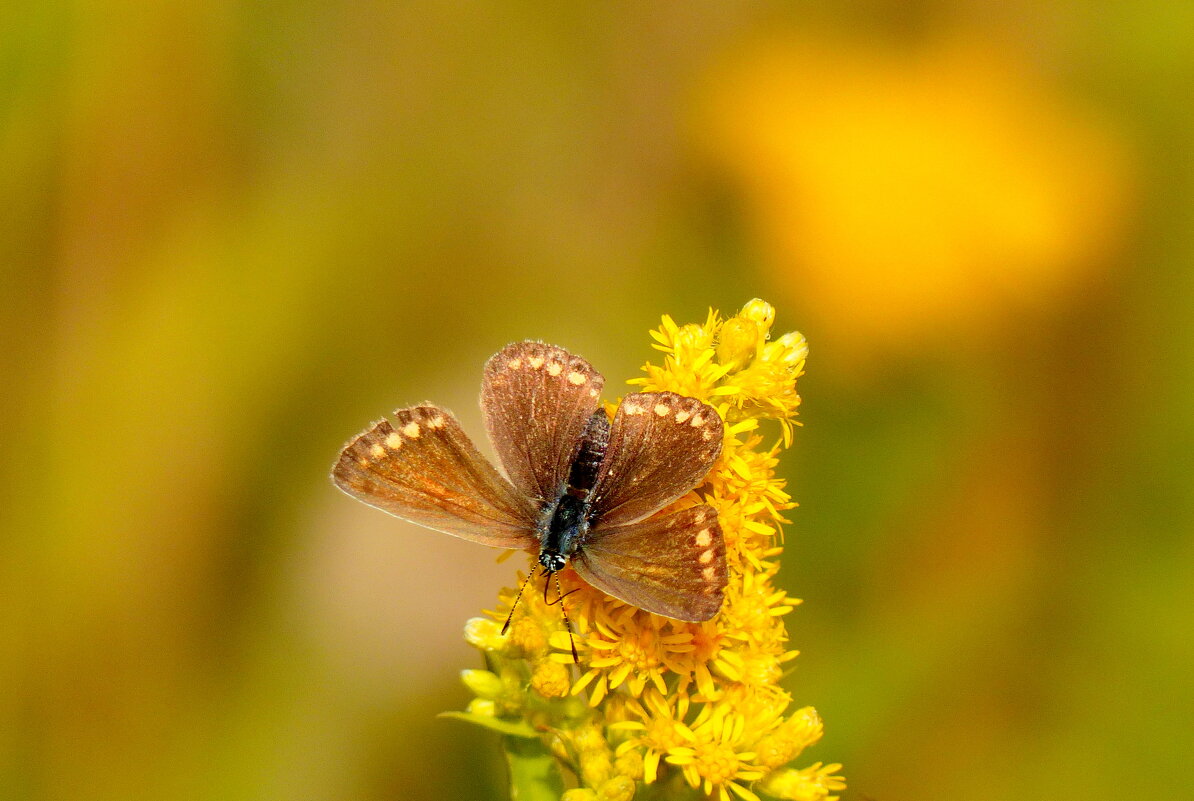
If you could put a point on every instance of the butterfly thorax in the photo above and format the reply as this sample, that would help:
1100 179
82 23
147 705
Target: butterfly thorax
564 532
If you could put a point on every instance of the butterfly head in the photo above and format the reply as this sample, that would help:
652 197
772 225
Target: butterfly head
552 561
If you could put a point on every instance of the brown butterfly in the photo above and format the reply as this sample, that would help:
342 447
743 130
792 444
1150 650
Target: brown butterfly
580 491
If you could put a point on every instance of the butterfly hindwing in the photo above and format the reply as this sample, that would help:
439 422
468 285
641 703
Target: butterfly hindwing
661 445
423 468
536 400
673 565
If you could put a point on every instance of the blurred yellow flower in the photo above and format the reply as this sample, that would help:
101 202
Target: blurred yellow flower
917 192
661 701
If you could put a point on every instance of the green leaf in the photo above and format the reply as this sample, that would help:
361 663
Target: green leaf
512 728
534 772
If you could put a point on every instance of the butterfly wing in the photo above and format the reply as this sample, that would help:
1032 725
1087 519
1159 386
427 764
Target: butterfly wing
537 399
423 468
673 565
661 445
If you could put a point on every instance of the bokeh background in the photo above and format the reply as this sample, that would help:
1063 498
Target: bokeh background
231 234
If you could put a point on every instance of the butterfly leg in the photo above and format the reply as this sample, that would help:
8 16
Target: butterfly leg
560 596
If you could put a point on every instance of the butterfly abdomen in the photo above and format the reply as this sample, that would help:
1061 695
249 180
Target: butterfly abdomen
592 450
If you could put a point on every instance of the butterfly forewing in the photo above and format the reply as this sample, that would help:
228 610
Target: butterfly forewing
536 399
673 565
661 445
423 468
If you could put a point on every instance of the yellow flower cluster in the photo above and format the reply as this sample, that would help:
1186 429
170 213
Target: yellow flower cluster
659 707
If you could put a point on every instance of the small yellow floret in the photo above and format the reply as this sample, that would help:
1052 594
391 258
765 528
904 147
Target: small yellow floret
551 679
619 788
579 794
814 783
526 637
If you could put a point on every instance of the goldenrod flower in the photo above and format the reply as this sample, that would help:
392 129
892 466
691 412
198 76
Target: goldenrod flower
716 759
655 700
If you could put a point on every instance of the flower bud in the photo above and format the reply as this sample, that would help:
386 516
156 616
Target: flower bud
737 341
483 707
619 788
795 347
483 683
579 794
760 312
483 633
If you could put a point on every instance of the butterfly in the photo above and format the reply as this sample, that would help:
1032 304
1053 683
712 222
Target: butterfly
582 491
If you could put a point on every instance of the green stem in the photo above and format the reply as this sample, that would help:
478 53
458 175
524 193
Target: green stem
534 772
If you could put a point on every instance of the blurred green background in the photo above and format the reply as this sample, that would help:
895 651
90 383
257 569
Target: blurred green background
234 233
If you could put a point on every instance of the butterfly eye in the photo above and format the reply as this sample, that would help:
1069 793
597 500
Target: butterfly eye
553 562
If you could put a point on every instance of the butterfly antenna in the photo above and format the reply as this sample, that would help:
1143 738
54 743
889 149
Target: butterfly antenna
517 598
560 596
